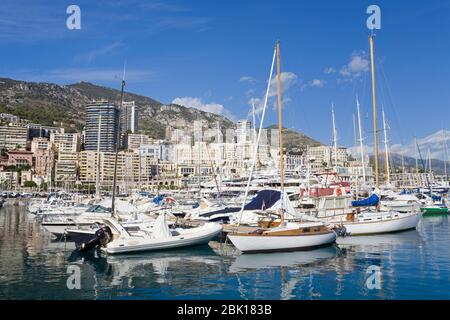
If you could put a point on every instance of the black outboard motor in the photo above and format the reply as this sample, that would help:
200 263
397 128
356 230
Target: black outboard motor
102 237
341 231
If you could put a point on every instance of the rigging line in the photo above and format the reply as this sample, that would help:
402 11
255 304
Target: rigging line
255 152
394 107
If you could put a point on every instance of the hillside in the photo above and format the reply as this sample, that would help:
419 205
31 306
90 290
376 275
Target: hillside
296 142
63 105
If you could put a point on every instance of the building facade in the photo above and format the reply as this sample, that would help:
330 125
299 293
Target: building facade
103 117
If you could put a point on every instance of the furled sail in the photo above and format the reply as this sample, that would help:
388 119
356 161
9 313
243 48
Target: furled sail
373 200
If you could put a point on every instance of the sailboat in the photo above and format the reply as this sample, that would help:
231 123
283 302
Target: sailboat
372 220
284 235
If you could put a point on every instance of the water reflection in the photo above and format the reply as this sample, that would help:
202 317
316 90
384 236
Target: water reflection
413 264
299 259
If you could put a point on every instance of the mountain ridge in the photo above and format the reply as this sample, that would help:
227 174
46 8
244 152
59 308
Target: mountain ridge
63 105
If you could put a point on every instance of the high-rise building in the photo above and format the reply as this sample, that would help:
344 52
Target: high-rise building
243 131
101 116
129 119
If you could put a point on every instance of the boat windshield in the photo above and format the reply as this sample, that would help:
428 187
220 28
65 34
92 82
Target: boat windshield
98 208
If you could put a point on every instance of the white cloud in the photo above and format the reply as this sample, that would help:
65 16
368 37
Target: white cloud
197 103
357 65
287 79
94 54
436 143
329 70
317 83
248 79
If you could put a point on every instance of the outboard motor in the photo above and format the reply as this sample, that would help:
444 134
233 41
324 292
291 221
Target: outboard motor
341 231
102 237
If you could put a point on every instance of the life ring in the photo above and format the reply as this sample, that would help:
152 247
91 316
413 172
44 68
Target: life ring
338 192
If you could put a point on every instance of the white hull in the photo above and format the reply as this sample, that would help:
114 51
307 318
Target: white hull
401 223
195 236
57 229
281 243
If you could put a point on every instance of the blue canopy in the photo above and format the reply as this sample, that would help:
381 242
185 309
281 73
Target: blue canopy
158 199
368 202
264 199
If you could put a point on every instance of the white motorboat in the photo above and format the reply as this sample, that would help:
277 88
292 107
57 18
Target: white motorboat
160 238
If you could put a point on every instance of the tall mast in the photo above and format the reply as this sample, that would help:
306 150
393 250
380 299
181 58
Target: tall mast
354 130
99 136
113 203
374 99
255 151
334 138
198 156
254 123
444 143
417 154
429 159
361 140
280 124
386 150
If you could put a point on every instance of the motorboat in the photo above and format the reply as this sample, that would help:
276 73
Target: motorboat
161 237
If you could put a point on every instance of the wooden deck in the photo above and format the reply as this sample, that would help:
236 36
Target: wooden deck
227 228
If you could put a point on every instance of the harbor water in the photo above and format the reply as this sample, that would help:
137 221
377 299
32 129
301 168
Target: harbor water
407 265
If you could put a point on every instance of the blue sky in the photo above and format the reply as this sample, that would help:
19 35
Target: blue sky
216 55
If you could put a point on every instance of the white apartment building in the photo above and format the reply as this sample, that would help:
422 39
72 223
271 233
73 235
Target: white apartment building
40 144
66 168
66 142
13 136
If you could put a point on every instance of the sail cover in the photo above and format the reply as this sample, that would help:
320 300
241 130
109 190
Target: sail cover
264 199
368 202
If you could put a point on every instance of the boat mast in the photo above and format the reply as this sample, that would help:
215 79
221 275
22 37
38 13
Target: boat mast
417 155
254 123
255 151
334 138
444 143
113 200
280 129
97 184
386 151
429 160
374 100
361 141
354 130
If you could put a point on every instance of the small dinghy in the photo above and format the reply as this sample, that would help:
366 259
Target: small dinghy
117 239
163 238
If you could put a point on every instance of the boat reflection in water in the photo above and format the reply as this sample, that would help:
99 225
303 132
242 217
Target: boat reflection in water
157 275
298 259
381 242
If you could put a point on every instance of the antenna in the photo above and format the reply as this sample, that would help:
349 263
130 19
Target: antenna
117 145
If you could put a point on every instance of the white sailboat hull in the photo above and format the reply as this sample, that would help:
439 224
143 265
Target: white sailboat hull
401 223
201 235
255 244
